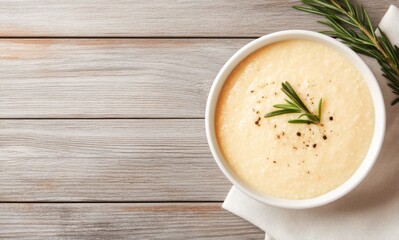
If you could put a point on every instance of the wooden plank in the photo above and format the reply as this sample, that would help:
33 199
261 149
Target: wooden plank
136 78
123 221
107 160
159 18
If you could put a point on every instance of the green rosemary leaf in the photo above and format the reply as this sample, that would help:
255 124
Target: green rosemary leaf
395 88
330 33
281 112
285 106
368 22
345 20
349 7
360 14
320 104
301 121
395 101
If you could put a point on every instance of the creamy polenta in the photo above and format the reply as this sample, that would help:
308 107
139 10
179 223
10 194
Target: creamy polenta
294 161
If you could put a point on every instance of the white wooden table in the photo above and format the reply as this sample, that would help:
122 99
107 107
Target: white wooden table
102 107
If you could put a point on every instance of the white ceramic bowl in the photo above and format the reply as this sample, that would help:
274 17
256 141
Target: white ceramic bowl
376 141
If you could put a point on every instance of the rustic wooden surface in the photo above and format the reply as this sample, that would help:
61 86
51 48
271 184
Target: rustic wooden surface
101 114
97 78
108 160
122 221
158 18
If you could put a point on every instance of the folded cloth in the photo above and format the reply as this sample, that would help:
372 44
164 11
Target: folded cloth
370 211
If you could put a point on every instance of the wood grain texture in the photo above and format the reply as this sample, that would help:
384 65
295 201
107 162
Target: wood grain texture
158 18
67 162
134 78
107 160
123 221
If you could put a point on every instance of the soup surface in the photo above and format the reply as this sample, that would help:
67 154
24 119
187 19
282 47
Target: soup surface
294 161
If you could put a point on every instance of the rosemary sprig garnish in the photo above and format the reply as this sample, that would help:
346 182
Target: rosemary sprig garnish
351 23
295 105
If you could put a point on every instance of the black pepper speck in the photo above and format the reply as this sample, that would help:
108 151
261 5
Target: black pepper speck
257 121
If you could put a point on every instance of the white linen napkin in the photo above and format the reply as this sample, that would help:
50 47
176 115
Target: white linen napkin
370 211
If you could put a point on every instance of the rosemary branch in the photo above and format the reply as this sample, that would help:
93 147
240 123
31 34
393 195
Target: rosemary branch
351 23
295 105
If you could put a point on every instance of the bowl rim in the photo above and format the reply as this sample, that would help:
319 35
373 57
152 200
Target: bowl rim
375 144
